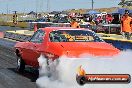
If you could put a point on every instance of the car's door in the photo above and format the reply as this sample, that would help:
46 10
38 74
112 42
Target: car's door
32 51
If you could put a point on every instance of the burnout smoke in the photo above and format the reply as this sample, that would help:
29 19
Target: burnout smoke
63 75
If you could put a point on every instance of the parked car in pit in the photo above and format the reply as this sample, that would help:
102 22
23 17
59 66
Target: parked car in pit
109 28
61 20
54 42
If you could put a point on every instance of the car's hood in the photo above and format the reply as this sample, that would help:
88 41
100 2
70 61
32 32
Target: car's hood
92 48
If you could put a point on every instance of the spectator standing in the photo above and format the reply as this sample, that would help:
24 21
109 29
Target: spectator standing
126 25
74 23
93 25
99 19
131 22
48 19
109 18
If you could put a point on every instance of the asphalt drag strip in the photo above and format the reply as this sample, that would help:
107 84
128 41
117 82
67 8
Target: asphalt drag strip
9 77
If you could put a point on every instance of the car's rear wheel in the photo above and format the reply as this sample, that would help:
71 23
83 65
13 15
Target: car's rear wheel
20 64
52 67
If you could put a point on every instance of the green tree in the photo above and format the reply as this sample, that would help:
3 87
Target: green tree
125 3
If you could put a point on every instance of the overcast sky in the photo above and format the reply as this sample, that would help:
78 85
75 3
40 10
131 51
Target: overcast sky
58 5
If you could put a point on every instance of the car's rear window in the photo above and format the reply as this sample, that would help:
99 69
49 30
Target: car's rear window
74 36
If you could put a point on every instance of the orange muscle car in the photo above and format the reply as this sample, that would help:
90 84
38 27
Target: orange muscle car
53 42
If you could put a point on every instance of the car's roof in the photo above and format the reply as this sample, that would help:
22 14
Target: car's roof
49 29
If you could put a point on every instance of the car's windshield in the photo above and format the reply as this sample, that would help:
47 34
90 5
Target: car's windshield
74 36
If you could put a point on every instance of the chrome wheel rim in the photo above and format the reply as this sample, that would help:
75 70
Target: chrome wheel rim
18 62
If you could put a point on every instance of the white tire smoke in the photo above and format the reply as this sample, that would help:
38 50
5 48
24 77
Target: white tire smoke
63 75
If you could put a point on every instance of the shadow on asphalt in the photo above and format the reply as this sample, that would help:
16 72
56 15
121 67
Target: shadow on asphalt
29 73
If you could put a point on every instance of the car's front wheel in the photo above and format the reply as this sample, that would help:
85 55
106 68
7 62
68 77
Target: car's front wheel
20 64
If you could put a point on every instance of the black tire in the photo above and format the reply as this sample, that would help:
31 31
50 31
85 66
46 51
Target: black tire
20 64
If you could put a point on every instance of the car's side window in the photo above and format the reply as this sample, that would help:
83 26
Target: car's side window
38 36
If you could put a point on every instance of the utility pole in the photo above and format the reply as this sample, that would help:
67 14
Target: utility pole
92 5
36 7
7 8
